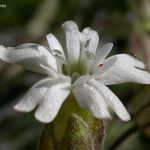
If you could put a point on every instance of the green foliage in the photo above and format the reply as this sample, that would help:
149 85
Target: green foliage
17 13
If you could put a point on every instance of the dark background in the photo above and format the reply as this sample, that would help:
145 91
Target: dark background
126 23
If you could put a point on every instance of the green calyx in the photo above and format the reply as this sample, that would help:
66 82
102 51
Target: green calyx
73 129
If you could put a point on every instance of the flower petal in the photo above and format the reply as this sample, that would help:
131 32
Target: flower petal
123 68
43 92
55 46
90 39
103 52
72 42
51 103
33 96
88 97
54 43
81 81
30 56
112 100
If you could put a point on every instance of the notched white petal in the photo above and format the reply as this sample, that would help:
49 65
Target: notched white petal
51 103
55 46
90 40
69 25
54 43
98 69
50 58
29 56
125 68
32 97
112 100
88 97
72 42
48 94
103 52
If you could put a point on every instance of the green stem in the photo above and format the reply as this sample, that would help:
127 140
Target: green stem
74 128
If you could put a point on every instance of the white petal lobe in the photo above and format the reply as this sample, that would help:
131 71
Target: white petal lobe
49 94
54 43
72 41
90 39
29 56
32 97
112 100
123 68
51 103
55 46
88 97
103 52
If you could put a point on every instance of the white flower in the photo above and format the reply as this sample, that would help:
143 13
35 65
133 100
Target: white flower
81 69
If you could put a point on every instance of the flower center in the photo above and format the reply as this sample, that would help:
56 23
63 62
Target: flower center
74 71
80 68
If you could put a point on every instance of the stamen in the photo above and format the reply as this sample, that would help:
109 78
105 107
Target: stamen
100 65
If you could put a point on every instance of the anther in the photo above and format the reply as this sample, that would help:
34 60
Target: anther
100 65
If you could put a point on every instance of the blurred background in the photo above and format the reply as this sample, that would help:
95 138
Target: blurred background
126 23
